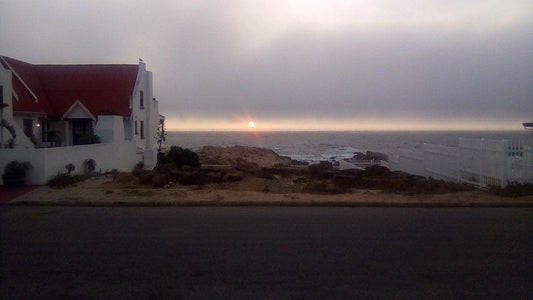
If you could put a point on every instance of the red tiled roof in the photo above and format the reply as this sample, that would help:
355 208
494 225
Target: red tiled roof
26 102
101 88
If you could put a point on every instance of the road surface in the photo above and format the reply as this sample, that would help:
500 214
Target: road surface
266 253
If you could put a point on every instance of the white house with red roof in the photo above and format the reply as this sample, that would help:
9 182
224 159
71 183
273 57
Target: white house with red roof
56 106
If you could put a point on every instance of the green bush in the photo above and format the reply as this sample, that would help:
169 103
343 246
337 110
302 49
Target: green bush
70 168
181 157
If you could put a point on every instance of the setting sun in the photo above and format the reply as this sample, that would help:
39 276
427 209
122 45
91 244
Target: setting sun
251 124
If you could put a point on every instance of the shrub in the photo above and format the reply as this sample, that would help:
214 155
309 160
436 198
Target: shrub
321 169
138 169
514 190
15 173
16 168
70 168
90 164
193 179
323 187
181 157
62 180
165 168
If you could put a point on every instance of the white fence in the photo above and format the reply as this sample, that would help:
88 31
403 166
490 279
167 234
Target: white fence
408 161
48 162
477 161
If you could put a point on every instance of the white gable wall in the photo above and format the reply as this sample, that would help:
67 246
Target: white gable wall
148 114
5 81
7 93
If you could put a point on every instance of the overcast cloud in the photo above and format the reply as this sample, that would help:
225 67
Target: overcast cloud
334 62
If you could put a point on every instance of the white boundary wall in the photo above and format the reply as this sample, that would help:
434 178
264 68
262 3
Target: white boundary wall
477 161
48 162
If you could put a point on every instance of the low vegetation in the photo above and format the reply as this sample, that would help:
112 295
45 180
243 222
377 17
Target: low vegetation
62 180
182 166
515 190
15 173
180 156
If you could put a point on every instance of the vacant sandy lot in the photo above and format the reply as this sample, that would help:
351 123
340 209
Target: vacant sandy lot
104 189
274 189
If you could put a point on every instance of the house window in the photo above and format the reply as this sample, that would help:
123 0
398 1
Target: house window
81 128
142 99
142 130
136 129
28 127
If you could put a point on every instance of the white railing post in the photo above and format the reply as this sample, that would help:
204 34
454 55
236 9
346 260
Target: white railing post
505 163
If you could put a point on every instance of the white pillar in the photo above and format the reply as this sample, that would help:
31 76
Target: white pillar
505 163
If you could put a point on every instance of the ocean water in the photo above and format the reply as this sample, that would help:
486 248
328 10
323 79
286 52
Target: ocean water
316 146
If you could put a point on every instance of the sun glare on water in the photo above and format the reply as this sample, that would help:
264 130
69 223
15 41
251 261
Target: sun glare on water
251 124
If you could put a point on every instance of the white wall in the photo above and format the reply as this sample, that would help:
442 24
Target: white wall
48 162
7 112
149 113
22 141
110 129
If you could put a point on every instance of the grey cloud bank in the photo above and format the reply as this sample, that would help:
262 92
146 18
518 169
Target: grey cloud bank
428 61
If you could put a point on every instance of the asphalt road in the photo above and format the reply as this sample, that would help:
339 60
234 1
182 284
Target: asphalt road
266 253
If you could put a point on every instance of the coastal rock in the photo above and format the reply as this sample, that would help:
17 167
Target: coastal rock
377 156
370 155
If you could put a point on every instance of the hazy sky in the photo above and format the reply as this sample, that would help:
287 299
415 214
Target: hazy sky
300 64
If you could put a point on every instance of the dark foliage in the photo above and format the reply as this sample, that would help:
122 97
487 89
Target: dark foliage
70 168
514 190
324 187
195 178
62 180
16 168
88 139
90 164
15 173
138 169
180 156
322 169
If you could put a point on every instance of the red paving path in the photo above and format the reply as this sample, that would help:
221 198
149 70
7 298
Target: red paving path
8 194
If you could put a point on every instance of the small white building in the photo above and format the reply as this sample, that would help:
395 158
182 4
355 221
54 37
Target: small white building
58 106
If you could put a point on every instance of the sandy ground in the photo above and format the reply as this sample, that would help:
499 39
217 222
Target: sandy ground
104 190
285 189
